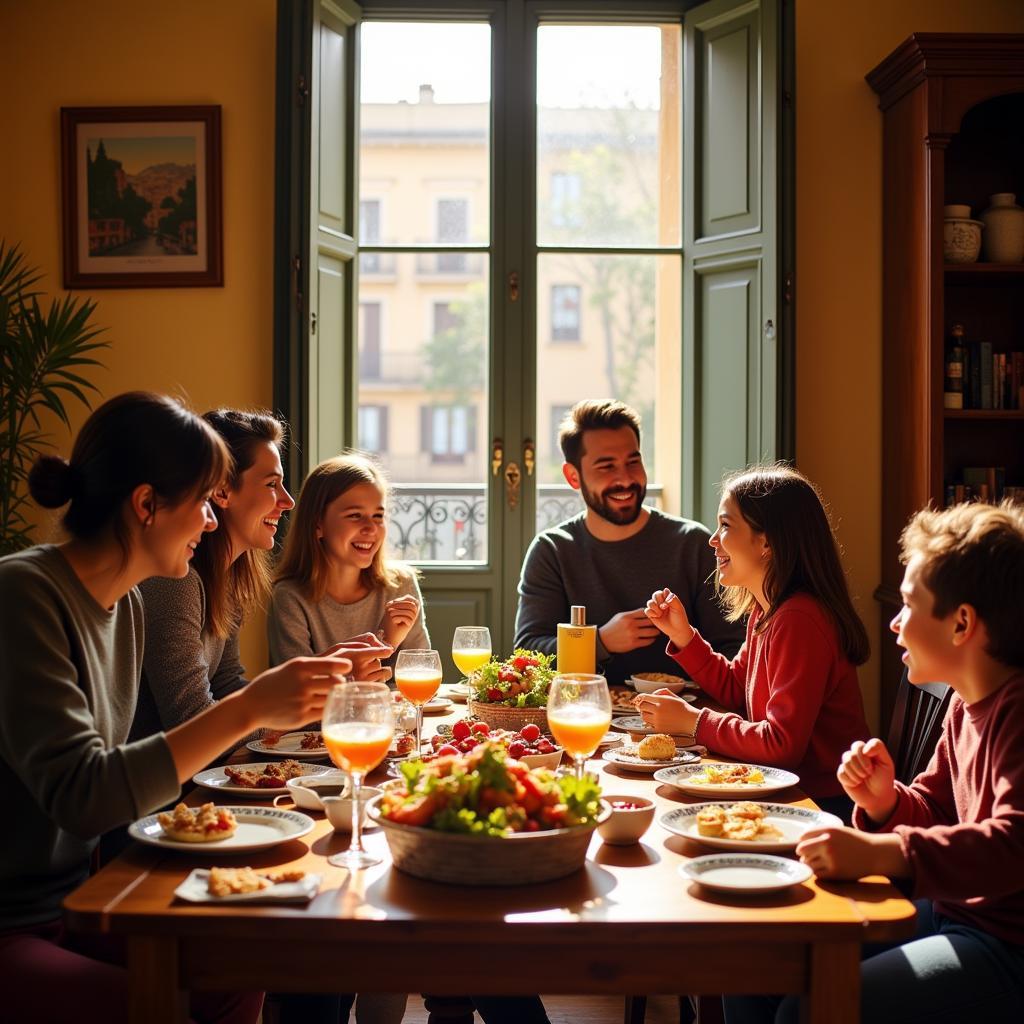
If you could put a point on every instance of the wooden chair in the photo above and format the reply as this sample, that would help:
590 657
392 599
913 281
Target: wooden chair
916 725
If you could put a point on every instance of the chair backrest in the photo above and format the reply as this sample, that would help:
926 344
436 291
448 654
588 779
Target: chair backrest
916 725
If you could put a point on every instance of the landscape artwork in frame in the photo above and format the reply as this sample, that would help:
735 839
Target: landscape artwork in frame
141 191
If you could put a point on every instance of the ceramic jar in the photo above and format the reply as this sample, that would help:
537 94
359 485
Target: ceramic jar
1004 229
961 236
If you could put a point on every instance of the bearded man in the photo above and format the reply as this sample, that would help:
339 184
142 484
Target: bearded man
612 556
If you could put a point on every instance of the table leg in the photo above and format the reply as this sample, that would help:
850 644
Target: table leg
153 993
834 996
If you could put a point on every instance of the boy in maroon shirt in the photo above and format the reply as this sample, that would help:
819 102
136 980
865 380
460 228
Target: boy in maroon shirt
957 832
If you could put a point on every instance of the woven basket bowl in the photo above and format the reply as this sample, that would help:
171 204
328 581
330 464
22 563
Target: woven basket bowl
498 716
519 859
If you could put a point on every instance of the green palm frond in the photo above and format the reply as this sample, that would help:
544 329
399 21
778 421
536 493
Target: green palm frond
41 354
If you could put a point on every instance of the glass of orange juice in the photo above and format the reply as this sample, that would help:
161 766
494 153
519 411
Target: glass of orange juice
418 676
579 714
358 725
471 648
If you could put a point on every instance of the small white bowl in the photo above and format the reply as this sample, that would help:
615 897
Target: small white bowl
306 790
642 685
551 760
626 825
339 808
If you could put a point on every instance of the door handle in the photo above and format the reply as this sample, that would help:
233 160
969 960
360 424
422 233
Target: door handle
529 455
513 477
497 455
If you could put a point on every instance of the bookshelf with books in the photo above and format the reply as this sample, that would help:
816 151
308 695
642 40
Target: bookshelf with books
953 333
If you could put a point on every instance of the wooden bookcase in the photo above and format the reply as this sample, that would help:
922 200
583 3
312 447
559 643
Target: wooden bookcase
953 132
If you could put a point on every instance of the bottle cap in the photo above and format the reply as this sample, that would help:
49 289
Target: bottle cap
578 615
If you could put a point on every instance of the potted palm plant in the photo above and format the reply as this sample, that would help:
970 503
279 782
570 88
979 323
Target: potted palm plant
42 356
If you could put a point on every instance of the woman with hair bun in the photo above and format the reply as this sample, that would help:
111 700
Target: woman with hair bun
139 480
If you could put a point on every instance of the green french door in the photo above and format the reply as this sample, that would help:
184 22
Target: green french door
511 206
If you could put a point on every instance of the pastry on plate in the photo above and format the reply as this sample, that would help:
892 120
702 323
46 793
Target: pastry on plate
710 820
273 775
657 747
205 824
232 881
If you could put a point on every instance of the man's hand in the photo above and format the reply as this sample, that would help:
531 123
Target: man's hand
868 775
627 631
294 693
366 652
666 611
665 712
847 853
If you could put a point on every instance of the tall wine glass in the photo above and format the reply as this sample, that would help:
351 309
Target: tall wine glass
579 714
471 648
358 726
418 676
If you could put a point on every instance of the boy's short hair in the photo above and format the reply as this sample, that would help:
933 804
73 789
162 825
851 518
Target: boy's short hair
593 414
974 554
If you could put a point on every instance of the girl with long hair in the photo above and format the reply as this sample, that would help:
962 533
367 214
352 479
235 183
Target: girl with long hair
139 481
334 578
791 692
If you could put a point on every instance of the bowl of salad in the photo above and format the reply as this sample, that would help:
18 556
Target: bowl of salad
512 693
484 818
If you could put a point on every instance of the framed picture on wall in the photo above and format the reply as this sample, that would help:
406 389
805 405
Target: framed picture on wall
141 191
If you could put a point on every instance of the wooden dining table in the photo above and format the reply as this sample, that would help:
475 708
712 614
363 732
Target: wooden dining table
628 922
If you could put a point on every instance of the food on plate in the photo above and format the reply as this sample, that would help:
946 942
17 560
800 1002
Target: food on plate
488 793
728 775
742 821
656 747
622 700
311 741
205 824
273 776
405 744
521 681
710 821
232 881
464 735
665 678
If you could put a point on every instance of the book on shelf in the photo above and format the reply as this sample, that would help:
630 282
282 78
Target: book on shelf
975 377
979 483
953 394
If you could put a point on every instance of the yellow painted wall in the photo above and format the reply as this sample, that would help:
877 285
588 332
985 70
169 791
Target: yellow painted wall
839 272
212 345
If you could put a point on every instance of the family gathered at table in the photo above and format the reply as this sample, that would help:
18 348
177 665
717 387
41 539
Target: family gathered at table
120 680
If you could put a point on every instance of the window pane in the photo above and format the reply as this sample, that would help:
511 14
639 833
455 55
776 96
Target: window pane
424 334
608 123
628 326
425 133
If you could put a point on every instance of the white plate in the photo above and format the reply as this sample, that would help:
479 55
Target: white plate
288 746
216 778
458 692
636 723
437 705
195 889
774 780
791 821
628 760
745 872
674 683
611 739
258 828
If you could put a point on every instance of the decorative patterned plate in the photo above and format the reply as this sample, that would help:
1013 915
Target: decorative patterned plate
289 745
791 821
684 776
215 778
745 872
258 828
629 760
635 723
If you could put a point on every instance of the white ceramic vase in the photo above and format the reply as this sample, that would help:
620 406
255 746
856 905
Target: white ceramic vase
1004 229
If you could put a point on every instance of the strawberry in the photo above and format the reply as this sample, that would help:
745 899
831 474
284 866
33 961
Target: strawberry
460 730
446 749
530 732
494 694
481 728
545 746
520 663
516 749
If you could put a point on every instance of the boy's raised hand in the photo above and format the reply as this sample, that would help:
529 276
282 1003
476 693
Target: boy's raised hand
868 774
666 611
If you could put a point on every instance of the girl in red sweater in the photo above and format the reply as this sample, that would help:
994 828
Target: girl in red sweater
792 690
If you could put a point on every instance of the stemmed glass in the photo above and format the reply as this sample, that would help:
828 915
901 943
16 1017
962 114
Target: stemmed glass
471 648
418 676
358 726
579 714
